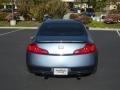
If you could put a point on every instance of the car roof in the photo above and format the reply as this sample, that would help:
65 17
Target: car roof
62 21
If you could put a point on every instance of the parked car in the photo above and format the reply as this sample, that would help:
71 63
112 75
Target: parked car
62 48
90 12
46 17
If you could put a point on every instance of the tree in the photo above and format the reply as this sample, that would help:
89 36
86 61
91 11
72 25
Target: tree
23 8
55 8
100 5
118 8
111 1
4 1
93 2
37 8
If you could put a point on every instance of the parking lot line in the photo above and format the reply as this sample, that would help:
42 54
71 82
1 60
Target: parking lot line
10 32
118 33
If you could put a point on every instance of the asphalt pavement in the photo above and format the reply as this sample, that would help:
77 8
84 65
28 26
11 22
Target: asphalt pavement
14 74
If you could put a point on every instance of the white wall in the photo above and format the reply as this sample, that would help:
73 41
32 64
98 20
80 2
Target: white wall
68 0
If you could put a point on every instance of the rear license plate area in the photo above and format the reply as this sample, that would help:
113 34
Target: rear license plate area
60 71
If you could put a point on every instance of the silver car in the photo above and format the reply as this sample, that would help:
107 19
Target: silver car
62 48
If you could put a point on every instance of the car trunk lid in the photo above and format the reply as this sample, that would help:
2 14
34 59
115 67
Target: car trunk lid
65 45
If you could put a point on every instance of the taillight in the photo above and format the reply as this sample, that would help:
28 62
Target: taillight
33 48
88 48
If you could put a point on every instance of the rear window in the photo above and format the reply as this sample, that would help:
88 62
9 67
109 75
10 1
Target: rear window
66 29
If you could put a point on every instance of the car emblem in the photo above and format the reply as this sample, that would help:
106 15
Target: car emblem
60 47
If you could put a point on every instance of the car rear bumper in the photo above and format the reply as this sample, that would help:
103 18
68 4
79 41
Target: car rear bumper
76 64
72 71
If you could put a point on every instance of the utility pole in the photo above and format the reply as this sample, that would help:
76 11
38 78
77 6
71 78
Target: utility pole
12 21
12 2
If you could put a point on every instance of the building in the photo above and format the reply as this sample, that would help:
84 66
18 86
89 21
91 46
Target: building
8 5
79 3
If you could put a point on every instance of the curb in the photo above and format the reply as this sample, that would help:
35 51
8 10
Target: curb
104 29
18 27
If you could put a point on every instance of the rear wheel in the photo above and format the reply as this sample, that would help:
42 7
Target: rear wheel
46 77
29 70
78 78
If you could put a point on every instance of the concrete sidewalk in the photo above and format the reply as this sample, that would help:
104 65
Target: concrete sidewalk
106 29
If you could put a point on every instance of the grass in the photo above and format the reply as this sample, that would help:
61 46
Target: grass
98 13
20 24
96 24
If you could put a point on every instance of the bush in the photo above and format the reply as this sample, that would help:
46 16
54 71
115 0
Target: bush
15 16
3 16
82 18
114 16
85 19
74 16
111 18
114 11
